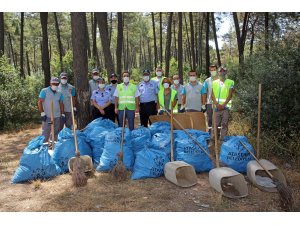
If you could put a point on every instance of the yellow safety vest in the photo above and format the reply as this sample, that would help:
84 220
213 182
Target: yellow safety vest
221 93
161 99
126 96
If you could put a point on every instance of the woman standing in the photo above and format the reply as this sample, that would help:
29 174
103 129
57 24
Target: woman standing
167 97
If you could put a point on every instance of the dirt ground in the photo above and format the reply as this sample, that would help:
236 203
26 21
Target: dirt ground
104 194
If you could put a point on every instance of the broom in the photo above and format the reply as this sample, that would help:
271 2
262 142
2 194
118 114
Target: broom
285 193
78 176
119 170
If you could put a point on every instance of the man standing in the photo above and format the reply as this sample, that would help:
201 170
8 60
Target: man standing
127 100
148 94
158 77
222 91
193 94
46 96
178 87
68 91
93 83
208 87
111 88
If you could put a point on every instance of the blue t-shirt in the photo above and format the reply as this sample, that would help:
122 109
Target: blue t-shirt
203 89
42 94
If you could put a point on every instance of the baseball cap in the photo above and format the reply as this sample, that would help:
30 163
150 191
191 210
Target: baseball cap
100 79
95 70
63 74
54 80
222 69
146 71
113 75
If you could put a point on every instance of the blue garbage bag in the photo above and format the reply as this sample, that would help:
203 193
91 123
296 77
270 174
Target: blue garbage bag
161 141
112 147
149 163
186 150
234 155
35 163
64 149
160 127
195 133
99 122
139 138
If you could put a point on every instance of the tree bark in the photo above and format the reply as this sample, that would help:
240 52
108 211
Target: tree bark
266 31
1 34
188 42
119 43
180 51
215 37
28 64
45 50
60 46
149 53
102 23
207 46
22 74
87 40
192 41
160 38
110 28
168 44
200 44
175 40
94 33
154 37
80 68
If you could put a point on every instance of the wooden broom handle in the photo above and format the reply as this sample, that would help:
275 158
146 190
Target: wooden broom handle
52 123
123 128
171 136
74 130
216 137
258 121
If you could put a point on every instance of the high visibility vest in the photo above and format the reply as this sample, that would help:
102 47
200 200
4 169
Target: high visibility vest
161 99
126 96
221 93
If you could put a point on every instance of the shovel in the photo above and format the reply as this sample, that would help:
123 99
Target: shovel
179 172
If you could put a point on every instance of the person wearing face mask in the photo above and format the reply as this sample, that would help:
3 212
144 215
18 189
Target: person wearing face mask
46 96
208 86
167 97
126 100
68 92
222 91
111 88
157 79
194 94
101 99
148 93
93 82
178 87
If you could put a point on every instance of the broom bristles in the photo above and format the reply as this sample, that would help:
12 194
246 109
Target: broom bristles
119 171
286 196
78 176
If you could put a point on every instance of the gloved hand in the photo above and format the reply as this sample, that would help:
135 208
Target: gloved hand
75 111
203 108
182 109
43 116
160 112
63 118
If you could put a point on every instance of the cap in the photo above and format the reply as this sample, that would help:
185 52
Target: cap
54 80
212 65
95 70
113 75
222 69
100 79
63 74
146 71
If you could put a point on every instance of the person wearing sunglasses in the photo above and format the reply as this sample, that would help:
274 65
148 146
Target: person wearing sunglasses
46 96
101 100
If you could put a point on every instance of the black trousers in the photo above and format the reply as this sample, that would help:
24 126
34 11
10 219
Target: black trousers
96 113
111 113
147 109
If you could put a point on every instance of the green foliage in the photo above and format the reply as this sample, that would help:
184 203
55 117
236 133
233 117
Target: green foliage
18 97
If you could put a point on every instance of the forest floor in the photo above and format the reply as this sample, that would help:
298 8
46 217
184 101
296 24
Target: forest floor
103 194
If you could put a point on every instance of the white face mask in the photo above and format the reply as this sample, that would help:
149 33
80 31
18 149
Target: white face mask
146 78
101 85
159 74
192 79
166 85
213 73
63 81
126 79
95 77
53 87
176 82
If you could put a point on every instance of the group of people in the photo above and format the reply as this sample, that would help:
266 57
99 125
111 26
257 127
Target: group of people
151 96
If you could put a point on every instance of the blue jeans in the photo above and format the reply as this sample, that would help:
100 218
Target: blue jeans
130 114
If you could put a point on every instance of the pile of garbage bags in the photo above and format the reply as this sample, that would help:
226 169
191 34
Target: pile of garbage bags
145 151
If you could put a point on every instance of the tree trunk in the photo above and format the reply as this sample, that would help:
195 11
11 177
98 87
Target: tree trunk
28 64
22 74
149 53
266 31
60 47
110 28
168 44
188 42
175 40
1 34
180 52
45 50
94 33
160 38
241 37
87 40
192 41
154 37
207 46
200 44
102 23
216 39
80 68
119 43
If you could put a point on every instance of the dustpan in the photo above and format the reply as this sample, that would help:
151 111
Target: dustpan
259 177
87 162
179 172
